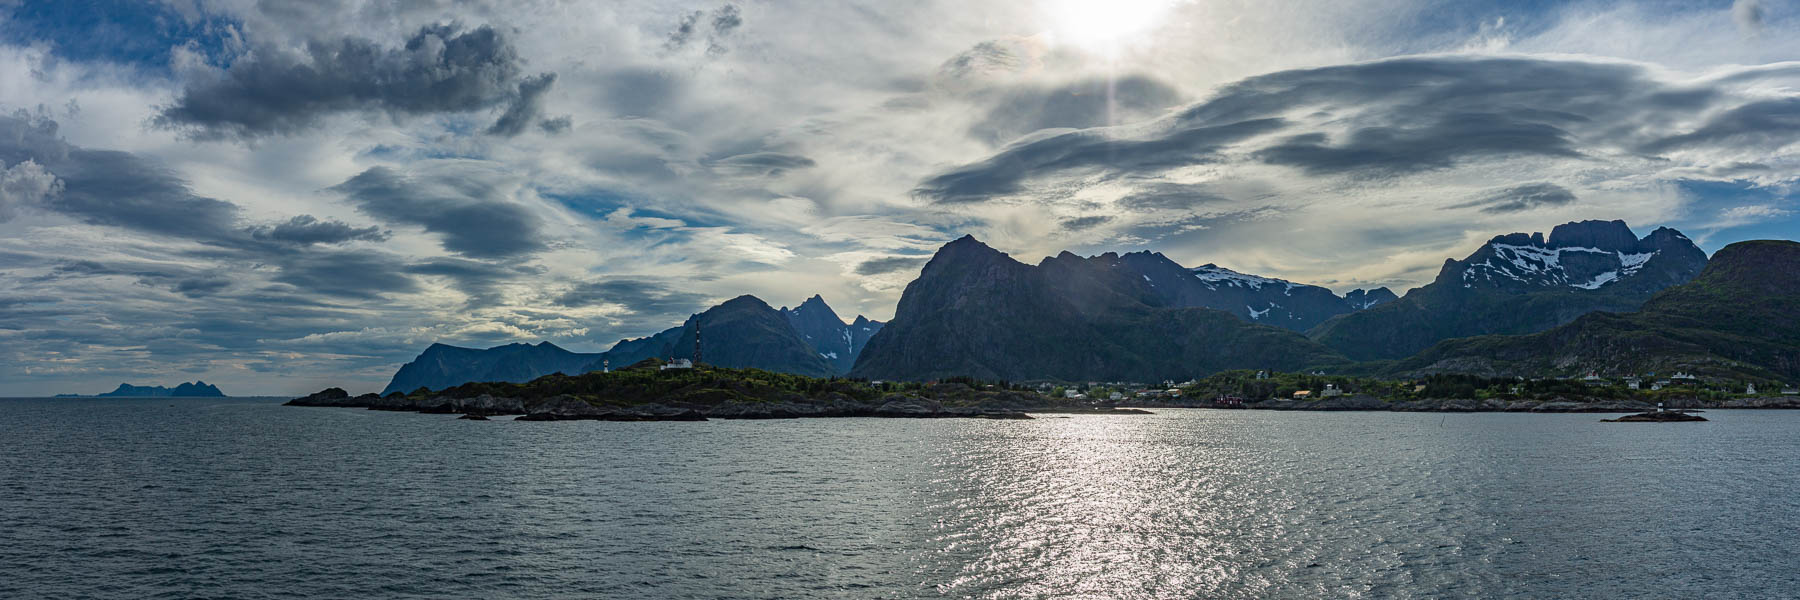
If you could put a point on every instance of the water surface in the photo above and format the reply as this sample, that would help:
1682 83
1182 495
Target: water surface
161 498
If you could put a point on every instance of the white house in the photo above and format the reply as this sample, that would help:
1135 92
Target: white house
679 363
1331 390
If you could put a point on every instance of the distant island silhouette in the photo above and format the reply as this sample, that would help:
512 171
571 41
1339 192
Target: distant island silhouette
197 389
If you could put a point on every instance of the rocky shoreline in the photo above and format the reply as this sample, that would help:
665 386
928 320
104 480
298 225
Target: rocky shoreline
1371 403
567 408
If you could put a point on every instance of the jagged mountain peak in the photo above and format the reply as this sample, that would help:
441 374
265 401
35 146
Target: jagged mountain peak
1612 235
1581 255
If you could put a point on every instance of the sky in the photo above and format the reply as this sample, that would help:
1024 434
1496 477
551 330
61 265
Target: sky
280 196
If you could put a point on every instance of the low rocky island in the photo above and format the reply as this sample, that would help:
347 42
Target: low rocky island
648 392
1657 416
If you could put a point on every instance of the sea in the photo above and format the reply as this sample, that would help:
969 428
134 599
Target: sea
244 498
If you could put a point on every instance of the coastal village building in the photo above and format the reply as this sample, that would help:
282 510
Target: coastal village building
679 363
1331 391
1303 395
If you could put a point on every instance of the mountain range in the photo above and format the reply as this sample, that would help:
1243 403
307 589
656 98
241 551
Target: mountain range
1740 319
1520 303
809 339
1519 283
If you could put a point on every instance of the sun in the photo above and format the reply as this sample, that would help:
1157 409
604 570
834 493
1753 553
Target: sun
1105 25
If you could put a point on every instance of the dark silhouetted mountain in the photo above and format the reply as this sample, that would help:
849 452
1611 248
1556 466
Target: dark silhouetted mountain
744 332
441 366
834 341
1740 318
1256 299
1519 283
975 311
197 389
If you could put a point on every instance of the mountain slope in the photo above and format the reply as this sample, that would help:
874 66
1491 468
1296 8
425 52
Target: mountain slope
1740 318
441 366
743 332
1517 284
975 311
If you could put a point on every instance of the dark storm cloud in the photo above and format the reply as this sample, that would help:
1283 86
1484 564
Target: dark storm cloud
1403 116
307 229
470 213
1084 223
524 109
641 296
1521 198
1089 103
439 69
889 264
769 164
1004 172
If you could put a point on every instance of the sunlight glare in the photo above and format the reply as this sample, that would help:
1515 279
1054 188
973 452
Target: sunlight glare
1105 25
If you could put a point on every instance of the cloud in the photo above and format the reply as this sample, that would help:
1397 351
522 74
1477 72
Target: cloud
765 164
1403 117
437 70
725 19
1748 14
1087 222
1170 196
25 185
640 296
684 30
345 274
1090 149
890 264
465 204
1767 125
479 282
524 109
1522 198
1090 102
306 230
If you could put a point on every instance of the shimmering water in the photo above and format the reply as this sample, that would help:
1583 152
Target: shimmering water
247 499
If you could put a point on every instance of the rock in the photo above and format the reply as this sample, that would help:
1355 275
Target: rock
327 397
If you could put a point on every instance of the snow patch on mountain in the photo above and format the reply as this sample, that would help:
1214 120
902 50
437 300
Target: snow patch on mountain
1215 276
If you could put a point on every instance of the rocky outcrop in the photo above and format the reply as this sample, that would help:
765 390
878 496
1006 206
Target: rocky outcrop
940 401
1657 416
